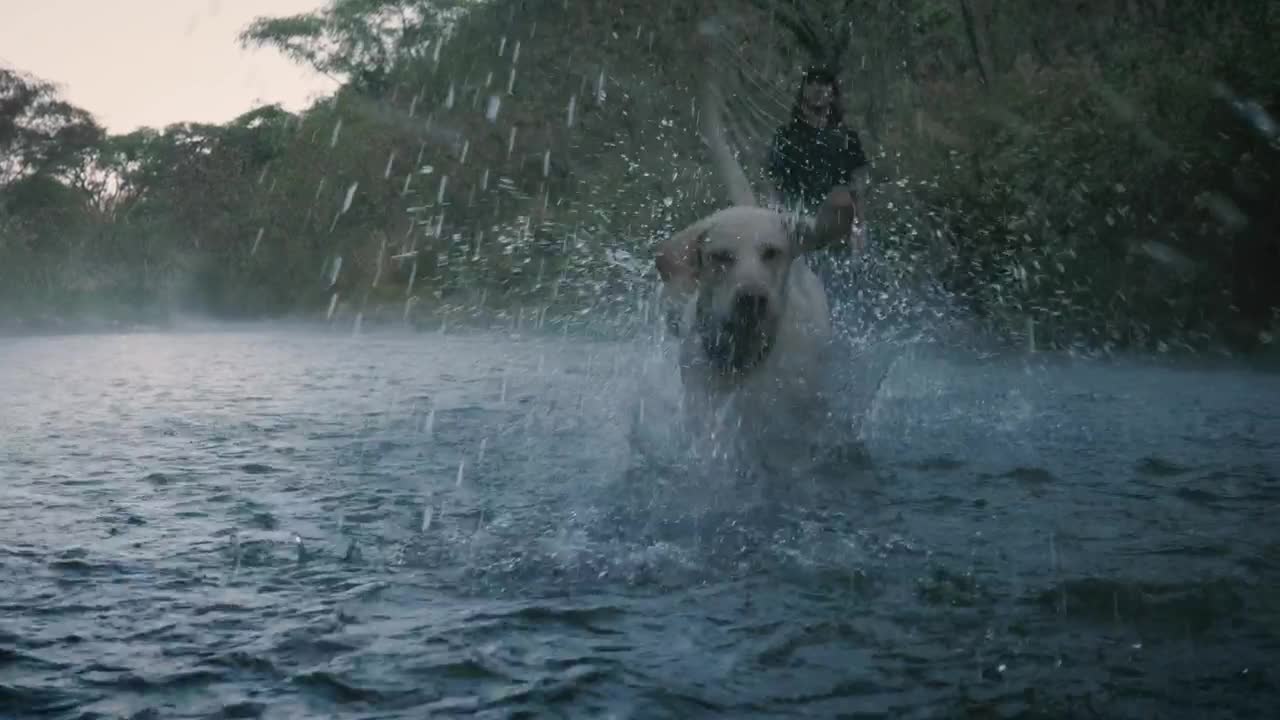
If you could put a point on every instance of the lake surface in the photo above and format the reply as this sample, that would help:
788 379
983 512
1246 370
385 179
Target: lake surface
264 522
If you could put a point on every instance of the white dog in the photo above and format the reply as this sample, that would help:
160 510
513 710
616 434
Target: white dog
754 318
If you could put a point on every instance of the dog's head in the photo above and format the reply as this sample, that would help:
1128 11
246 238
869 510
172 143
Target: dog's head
737 263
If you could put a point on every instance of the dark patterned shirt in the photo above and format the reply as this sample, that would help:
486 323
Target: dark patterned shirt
806 162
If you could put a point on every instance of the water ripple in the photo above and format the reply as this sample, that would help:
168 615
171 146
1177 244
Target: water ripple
264 524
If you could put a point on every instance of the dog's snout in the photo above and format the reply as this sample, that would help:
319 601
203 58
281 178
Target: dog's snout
750 307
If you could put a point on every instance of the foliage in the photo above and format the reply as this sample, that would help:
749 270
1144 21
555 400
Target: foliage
1095 171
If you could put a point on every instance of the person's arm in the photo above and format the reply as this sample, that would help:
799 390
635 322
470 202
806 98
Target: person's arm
858 168
857 178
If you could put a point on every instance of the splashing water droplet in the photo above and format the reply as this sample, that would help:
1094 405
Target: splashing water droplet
511 142
333 304
337 130
256 242
461 465
429 427
546 163
573 100
502 45
462 157
448 99
511 81
484 179
351 194
444 182
502 393
483 442
427 513
491 111
377 270
334 270
391 158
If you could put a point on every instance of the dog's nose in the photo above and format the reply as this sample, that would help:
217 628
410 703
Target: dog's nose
750 308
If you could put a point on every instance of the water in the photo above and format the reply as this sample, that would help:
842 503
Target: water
273 523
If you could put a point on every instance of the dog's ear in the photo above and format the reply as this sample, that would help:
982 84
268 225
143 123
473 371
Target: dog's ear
678 258
833 221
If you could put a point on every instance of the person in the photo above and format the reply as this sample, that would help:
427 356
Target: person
815 155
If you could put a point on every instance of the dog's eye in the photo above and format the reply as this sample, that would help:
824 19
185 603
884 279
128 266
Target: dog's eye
720 257
770 253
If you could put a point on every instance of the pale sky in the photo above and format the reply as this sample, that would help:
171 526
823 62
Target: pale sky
139 63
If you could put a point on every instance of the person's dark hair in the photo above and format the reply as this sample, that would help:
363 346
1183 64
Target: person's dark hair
835 111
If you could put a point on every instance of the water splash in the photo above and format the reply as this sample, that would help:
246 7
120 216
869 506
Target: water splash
256 242
391 158
413 276
334 270
351 194
377 270
491 111
337 131
573 101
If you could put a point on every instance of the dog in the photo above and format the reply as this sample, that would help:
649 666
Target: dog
753 317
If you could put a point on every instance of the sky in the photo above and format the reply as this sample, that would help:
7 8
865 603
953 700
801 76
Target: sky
136 63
